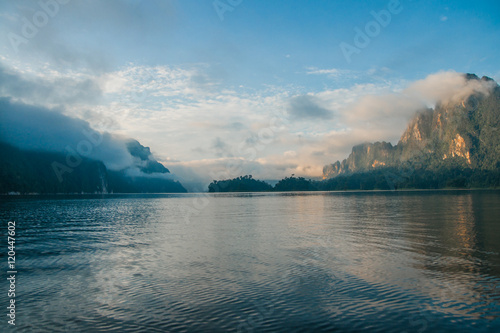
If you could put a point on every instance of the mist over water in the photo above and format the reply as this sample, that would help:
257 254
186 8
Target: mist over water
419 261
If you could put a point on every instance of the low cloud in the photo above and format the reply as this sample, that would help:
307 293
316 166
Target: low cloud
446 87
197 175
220 147
381 115
384 114
363 113
35 128
202 135
40 129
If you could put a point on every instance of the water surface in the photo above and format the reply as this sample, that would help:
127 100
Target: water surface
292 262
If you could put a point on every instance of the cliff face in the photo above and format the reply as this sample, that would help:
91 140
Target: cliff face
366 156
462 133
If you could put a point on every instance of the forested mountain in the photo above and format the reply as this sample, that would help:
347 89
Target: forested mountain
458 134
46 151
23 171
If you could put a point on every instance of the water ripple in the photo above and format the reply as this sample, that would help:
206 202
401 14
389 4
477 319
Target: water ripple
364 262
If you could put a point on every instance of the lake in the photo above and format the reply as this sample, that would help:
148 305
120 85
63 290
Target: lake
415 261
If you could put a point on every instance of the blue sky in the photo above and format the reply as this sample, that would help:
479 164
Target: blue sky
195 82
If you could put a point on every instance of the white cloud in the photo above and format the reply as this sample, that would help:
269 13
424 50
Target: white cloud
196 129
371 75
331 72
446 87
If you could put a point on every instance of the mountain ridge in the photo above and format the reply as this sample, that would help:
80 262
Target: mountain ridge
457 134
33 172
43 150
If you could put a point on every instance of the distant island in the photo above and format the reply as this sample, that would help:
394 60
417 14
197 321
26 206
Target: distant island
454 145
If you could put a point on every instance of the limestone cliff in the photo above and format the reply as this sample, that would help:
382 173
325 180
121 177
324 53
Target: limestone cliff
462 133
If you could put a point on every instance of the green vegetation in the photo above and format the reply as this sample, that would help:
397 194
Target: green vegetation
454 145
32 172
295 184
380 179
459 135
121 183
240 184
394 179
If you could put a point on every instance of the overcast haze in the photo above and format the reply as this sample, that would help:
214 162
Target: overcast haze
220 89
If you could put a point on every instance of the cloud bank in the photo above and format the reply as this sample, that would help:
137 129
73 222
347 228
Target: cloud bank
40 129
201 133
395 108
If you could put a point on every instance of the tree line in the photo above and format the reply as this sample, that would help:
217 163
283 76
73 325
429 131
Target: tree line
380 179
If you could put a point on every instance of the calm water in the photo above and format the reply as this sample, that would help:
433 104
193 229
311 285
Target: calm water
290 262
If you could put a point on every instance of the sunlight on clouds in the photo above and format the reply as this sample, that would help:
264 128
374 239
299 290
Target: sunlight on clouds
270 133
447 87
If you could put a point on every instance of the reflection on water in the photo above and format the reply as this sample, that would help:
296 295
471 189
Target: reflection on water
355 261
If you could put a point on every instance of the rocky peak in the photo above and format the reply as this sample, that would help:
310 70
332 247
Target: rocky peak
461 134
144 160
